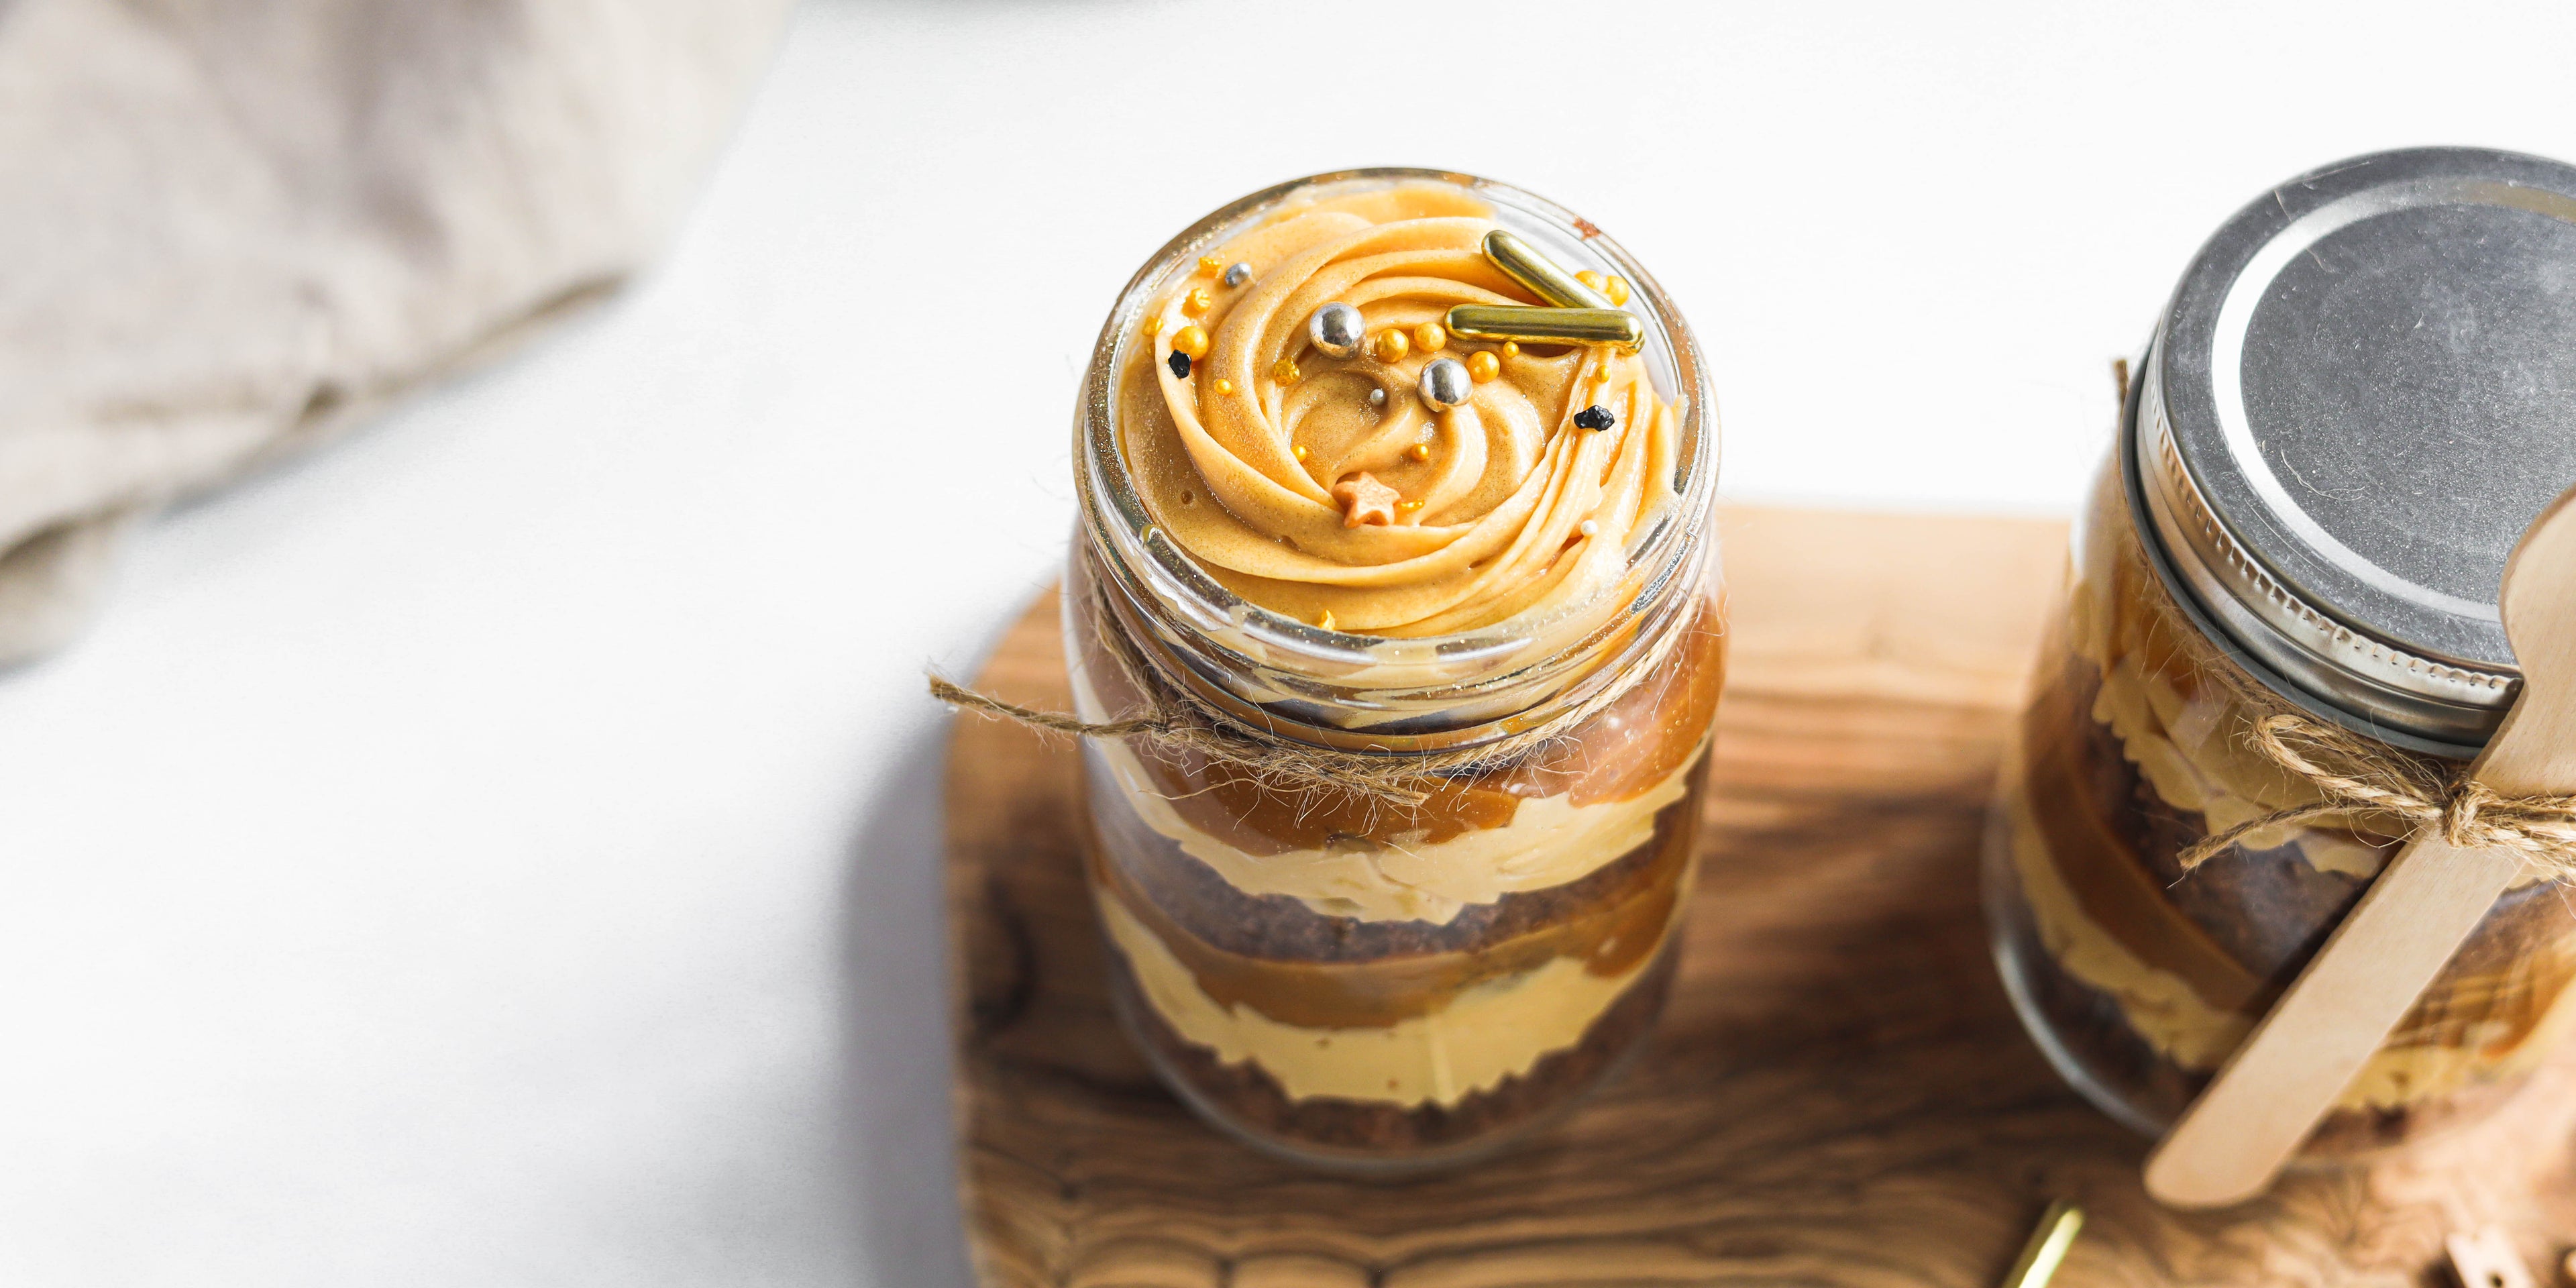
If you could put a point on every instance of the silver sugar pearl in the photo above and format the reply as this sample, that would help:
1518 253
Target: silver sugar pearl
1446 384
1377 397
1237 274
1336 330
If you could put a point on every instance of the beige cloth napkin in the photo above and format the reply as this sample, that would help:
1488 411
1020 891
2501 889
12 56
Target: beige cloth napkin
231 227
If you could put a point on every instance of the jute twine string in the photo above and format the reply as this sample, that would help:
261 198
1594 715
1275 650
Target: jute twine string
2364 778
1177 720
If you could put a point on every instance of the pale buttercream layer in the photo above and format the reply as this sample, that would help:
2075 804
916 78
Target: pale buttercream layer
1545 842
1506 505
1487 1033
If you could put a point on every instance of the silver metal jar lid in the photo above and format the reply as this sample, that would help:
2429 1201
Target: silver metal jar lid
2362 393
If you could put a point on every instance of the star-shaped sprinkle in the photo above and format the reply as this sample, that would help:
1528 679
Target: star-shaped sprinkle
1365 500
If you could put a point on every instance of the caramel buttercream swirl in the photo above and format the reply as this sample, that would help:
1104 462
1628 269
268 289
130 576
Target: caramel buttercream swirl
1507 505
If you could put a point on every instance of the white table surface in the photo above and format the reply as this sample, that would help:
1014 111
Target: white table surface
502 849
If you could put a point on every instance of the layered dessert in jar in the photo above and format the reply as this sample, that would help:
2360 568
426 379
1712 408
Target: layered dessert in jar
1464 585
2360 395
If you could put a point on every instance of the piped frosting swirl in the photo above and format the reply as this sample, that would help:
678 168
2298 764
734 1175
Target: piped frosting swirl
1508 505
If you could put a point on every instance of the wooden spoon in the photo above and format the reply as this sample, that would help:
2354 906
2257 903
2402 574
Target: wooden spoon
2232 1141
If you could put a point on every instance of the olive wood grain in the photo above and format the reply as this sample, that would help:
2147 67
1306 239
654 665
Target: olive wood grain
1839 1093
2236 1137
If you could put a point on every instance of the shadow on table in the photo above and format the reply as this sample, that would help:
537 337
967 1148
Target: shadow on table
895 1040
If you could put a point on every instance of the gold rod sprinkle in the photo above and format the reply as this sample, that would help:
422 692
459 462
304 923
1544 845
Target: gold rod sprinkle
1548 326
2047 1247
1523 264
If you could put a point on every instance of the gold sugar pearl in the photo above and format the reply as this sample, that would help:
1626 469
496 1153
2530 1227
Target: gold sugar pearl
1198 301
1511 348
1612 287
1299 451
1419 451
1191 342
1222 387
1482 366
1389 346
1430 338
1208 264
1285 371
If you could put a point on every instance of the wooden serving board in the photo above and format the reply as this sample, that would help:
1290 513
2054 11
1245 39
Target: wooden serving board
1839 1093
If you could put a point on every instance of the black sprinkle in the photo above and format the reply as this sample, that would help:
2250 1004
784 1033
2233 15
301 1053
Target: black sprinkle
1180 364
1594 417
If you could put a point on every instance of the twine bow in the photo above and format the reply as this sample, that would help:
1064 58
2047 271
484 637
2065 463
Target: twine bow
2361 778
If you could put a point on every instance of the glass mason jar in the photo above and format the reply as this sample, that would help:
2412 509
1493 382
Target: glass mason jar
2361 394
1339 977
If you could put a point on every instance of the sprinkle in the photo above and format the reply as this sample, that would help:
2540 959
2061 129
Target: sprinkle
1198 301
1365 500
1222 386
1153 325
1594 418
1208 264
1325 621
1419 451
1389 346
1408 506
1511 348
1482 365
1299 451
1285 371
1617 290
1191 340
1238 274
1179 362
1445 384
1615 327
1377 397
1336 330
1429 338
1588 528
1595 281
1538 274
